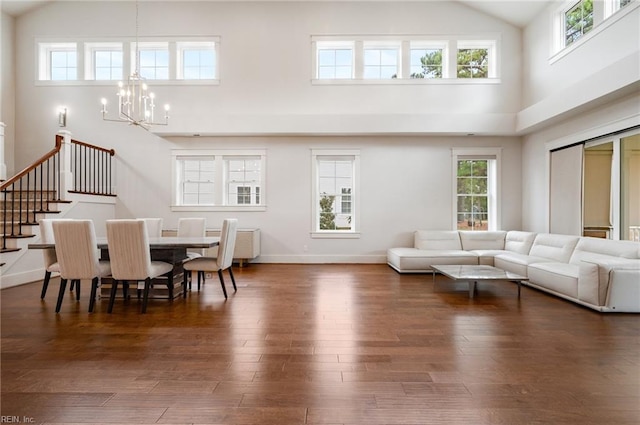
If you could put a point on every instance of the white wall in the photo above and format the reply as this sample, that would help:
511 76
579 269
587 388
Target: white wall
266 71
7 88
406 184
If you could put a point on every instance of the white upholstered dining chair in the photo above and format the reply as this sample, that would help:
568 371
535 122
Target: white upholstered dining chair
190 227
77 255
154 227
130 256
224 260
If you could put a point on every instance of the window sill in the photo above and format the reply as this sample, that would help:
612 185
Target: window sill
400 81
335 235
205 208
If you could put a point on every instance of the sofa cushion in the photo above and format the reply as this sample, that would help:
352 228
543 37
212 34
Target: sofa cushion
519 242
559 277
482 240
486 257
594 249
412 260
554 247
437 239
516 263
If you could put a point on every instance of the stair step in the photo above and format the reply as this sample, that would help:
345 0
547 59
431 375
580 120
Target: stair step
9 250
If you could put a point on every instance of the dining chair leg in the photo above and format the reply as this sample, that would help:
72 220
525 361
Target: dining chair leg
77 282
185 281
45 284
233 279
63 286
145 296
94 288
170 284
224 290
112 297
199 275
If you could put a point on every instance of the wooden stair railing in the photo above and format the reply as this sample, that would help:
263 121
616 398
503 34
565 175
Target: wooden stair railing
30 192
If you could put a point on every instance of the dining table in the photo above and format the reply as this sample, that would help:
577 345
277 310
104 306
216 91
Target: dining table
170 249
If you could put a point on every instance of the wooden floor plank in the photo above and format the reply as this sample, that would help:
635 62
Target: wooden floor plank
319 344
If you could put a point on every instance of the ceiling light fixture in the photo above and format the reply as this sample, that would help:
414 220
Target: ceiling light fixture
136 103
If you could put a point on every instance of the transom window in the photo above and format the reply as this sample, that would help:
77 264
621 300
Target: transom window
335 61
426 62
578 21
473 63
381 63
154 61
104 61
58 61
197 60
389 59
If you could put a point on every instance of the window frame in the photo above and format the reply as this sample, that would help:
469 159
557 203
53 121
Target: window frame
220 190
490 46
380 46
45 49
90 50
604 15
86 45
352 155
182 46
404 43
332 45
494 202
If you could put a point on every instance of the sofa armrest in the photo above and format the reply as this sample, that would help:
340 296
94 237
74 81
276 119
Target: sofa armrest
610 282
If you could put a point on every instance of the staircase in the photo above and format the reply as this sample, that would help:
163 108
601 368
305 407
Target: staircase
20 212
37 191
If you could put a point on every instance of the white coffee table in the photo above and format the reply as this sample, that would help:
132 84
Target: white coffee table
473 274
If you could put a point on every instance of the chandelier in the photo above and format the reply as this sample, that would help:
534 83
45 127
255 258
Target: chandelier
136 103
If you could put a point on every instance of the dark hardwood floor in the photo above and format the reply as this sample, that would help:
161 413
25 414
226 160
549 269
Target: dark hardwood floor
320 344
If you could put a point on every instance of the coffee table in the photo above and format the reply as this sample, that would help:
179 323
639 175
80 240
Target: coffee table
473 274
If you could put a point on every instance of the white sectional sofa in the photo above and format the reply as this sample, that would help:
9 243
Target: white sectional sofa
601 274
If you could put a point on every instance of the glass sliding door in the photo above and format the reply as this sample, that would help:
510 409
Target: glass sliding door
597 185
630 188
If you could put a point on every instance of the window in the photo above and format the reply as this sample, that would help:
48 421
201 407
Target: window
426 62
335 194
612 6
197 185
196 60
335 60
104 61
153 60
381 63
213 180
476 194
578 21
473 63
399 60
58 61
243 178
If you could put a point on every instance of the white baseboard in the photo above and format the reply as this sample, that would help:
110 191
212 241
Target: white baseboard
321 259
21 278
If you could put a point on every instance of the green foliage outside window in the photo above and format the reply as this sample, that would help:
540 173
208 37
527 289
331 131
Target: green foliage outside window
578 21
431 65
327 216
473 63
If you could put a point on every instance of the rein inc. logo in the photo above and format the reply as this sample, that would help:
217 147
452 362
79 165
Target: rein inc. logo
16 419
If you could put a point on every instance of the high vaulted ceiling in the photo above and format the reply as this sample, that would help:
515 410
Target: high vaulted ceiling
515 12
